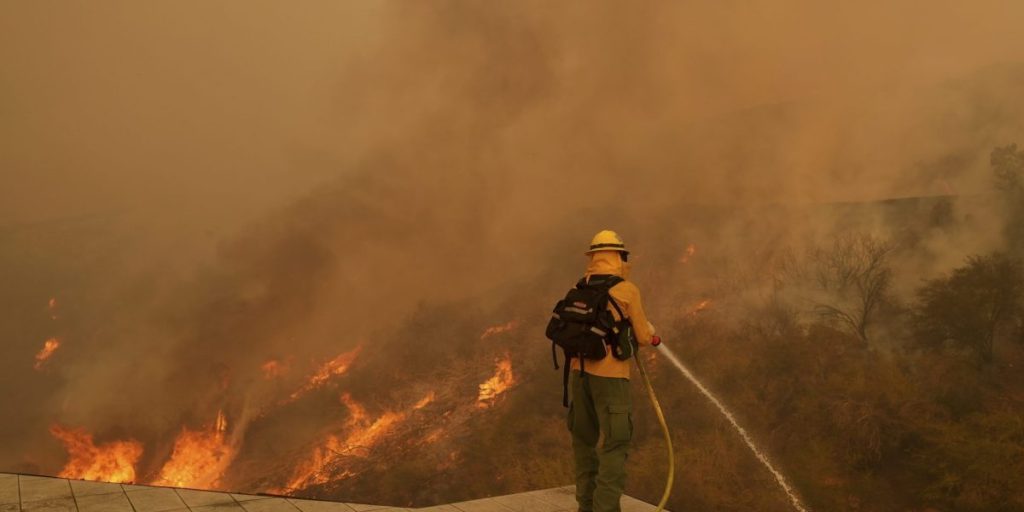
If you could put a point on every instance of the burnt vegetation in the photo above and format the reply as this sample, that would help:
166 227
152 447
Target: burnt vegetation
878 386
877 374
879 368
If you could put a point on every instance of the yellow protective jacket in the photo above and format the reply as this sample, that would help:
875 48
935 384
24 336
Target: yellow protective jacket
627 295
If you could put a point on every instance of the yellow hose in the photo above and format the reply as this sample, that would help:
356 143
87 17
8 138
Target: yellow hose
664 429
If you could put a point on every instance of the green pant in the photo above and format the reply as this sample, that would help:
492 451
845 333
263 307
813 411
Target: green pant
601 425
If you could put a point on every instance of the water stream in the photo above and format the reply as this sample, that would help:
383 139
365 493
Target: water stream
779 477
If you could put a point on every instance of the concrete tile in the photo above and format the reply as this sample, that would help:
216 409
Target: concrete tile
560 497
155 500
269 505
10 507
248 497
86 488
438 508
194 498
9 489
131 487
220 507
320 506
53 505
361 507
39 488
104 503
484 505
526 502
630 504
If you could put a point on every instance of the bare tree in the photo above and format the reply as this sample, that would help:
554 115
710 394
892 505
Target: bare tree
855 277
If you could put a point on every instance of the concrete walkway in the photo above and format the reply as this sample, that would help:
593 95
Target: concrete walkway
44 494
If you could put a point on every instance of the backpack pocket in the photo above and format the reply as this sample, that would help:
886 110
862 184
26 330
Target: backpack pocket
625 343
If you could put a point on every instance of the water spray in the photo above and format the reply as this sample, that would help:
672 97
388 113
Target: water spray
725 412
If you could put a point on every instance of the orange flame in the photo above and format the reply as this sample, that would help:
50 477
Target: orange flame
364 439
434 436
359 442
49 347
337 366
313 471
200 458
502 380
52 305
109 462
498 329
425 401
688 253
701 306
357 413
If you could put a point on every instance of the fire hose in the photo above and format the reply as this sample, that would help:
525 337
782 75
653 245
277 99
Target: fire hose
664 427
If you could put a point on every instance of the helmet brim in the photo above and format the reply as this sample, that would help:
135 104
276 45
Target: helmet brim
610 249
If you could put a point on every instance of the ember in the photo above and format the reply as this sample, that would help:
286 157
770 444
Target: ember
688 253
498 329
49 347
425 401
701 306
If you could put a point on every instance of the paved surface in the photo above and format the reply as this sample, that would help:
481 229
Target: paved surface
44 494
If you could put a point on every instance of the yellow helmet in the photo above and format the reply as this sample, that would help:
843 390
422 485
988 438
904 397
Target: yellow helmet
607 241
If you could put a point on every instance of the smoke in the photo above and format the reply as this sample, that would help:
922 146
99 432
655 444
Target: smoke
209 186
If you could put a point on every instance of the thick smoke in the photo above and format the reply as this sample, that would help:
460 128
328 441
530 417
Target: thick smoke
206 186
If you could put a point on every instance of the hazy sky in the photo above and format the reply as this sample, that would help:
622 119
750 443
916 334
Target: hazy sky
219 110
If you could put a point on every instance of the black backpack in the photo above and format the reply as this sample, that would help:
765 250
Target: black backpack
582 325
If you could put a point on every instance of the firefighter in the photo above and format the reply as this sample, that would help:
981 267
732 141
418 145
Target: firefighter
600 408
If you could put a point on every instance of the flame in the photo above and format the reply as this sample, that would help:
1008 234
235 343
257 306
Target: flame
502 380
313 471
52 306
425 401
364 439
701 306
337 366
200 458
688 253
357 413
362 436
434 436
109 462
498 329
222 422
273 369
49 347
